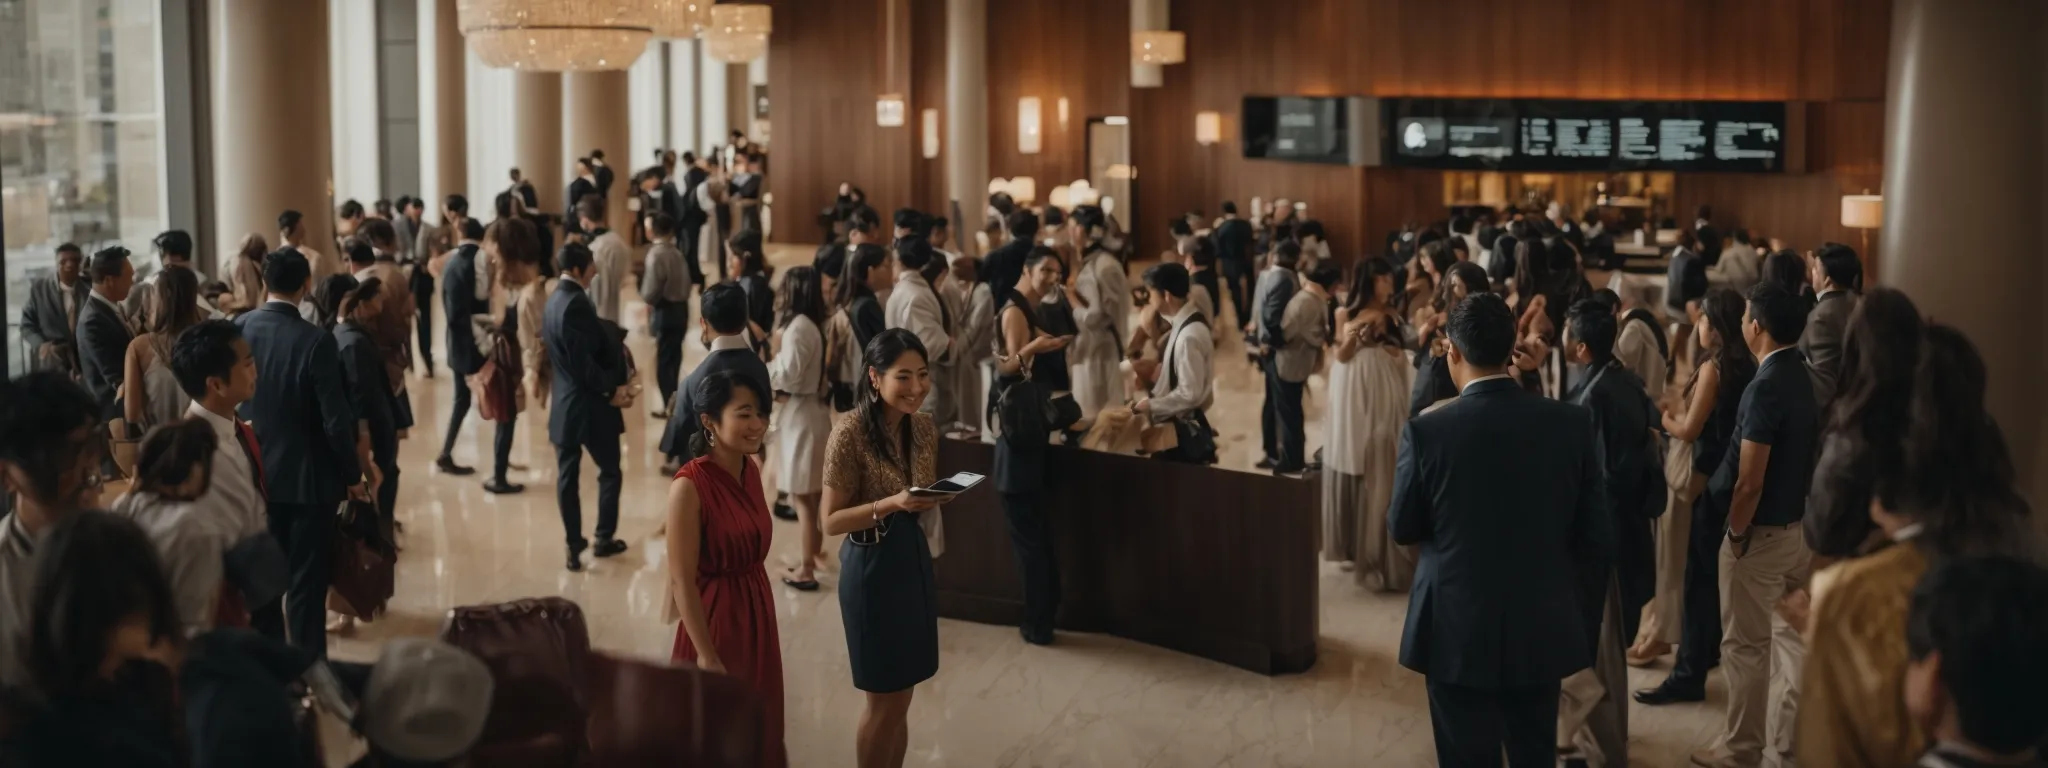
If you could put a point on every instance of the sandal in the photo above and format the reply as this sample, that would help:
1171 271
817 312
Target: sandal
807 585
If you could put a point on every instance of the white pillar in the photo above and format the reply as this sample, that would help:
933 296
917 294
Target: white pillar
537 136
966 118
444 109
1966 108
270 59
600 118
683 66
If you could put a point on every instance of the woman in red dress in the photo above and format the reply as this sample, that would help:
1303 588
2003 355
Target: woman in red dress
718 533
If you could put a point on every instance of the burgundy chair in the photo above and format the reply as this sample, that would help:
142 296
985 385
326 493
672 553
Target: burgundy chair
537 650
644 713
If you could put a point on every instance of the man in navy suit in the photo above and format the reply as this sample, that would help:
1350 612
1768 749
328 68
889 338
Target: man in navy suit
1503 491
103 332
460 302
309 439
724 326
588 366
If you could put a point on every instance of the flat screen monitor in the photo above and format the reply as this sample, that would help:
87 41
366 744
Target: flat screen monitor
1573 135
1309 129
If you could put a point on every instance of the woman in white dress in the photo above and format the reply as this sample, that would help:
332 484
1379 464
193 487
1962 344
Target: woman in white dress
803 416
1369 383
1102 313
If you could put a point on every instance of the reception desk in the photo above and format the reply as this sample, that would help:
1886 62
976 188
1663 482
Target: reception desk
1210 562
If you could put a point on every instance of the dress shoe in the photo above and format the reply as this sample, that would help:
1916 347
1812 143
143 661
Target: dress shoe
783 511
499 486
1036 637
1266 463
448 466
607 548
576 556
1670 693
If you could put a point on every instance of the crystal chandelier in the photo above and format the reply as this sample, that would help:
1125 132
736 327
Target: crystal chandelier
680 19
738 33
557 35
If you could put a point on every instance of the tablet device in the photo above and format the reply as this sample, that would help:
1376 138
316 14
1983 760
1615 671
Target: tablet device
958 483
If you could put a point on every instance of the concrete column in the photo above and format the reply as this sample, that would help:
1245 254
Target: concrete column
447 109
600 117
1966 108
966 116
270 58
537 135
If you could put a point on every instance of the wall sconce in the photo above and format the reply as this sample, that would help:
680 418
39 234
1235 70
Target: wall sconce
1062 106
1028 125
931 133
1159 47
889 108
1208 128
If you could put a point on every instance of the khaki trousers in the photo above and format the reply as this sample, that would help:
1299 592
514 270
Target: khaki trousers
1761 655
1661 616
1592 708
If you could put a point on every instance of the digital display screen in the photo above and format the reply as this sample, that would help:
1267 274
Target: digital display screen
1300 128
1571 135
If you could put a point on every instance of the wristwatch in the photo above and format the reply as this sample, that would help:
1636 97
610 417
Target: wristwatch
1737 537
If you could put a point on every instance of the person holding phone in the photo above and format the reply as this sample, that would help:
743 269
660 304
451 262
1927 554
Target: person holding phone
1020 468
888 598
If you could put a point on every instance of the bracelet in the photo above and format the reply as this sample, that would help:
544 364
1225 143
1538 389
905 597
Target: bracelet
875 513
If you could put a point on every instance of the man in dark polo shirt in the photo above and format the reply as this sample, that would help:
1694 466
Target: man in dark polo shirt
1764 477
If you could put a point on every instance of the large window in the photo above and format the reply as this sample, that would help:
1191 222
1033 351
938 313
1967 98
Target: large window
81 136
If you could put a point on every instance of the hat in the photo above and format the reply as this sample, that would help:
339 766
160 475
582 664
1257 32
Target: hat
426 700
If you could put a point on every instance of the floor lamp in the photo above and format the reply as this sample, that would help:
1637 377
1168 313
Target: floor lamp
1863 212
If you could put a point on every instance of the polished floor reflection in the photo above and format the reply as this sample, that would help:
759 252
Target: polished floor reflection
1088 701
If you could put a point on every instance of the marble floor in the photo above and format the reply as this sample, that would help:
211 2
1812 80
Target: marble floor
1087 701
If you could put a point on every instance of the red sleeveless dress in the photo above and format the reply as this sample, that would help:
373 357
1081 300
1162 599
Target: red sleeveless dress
732 577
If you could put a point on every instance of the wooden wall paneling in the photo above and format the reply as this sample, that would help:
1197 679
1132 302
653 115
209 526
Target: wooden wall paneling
927 90
826 65
1077 49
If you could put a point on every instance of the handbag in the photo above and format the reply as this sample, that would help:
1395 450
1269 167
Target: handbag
364 558
838 340
496 385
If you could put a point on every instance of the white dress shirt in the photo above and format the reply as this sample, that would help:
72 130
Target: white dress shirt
915 308
231 493
1190 349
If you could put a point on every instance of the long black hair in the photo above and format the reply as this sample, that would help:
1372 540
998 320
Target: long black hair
872 414
802 294
1465 273
1365 276
1786 268
327 298
853 278
711 397
1880 351
172 452
1722 310
1956 477
94 572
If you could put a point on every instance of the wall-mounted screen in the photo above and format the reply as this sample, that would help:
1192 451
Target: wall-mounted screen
1309 129
1569 135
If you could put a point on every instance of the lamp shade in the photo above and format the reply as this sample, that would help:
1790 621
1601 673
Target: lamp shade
738 32
1208 128
1863 211
1159 47
1029 126
557 35
1061 197
1024 189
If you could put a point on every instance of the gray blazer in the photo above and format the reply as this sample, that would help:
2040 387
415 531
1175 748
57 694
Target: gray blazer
1822 341
43 320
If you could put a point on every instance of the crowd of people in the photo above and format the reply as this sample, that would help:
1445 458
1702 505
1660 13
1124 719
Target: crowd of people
1771 470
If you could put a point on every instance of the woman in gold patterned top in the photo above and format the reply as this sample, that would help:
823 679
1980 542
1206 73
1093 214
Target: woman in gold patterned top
887 597
1949 494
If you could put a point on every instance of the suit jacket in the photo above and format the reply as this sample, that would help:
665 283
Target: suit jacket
693 216
675 441
587 367
301 412
1777 410
369 389
1623 415
1233 241
1503 491
1275 288
460 304
103 338
1826 326
43 319
604 175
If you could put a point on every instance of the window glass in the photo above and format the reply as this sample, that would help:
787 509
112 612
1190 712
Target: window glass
81 137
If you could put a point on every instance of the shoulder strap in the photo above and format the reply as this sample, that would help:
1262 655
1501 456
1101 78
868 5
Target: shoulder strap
1173 371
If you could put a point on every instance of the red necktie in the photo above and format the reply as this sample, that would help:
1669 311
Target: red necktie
248 440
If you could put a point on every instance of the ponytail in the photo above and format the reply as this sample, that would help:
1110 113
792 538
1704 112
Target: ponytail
364 292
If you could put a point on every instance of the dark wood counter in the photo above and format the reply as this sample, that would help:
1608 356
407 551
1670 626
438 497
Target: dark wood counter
1210 562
